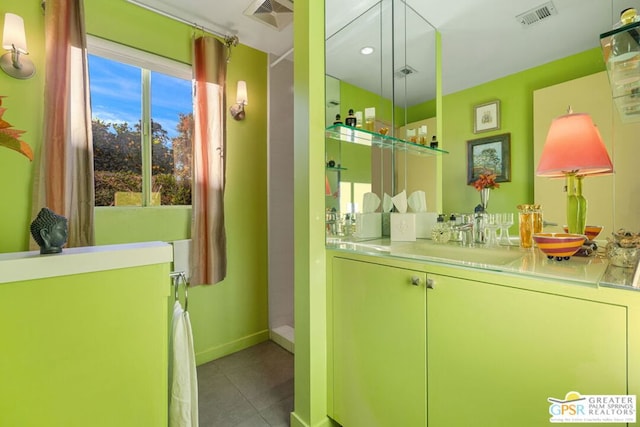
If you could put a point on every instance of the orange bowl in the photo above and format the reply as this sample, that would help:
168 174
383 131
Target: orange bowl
591 231
559 245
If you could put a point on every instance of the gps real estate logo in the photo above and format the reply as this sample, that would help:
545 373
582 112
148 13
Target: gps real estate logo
577 408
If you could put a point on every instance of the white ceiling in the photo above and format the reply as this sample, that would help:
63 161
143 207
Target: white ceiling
481 39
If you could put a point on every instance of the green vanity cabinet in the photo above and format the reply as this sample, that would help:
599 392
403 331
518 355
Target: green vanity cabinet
378 346
422 344
497 353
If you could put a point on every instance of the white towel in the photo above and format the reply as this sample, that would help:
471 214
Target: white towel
183 407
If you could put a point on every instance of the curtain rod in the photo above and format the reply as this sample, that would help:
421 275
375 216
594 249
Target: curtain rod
179 19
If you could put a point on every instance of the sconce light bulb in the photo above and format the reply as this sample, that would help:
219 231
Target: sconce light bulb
237 110
241 93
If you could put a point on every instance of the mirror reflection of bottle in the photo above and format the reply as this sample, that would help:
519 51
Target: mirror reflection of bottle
338 120
358 115
350 120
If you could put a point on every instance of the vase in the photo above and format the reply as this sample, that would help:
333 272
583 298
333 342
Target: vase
582 207
484 198
573 206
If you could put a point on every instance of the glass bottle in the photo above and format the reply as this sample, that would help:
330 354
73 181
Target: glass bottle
582 207
572 205
441 232
454 234
350 120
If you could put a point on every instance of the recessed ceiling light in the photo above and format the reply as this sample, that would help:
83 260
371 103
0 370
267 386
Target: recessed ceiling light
367 50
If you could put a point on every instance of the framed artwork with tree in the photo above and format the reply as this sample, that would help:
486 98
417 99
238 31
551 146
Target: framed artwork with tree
491 154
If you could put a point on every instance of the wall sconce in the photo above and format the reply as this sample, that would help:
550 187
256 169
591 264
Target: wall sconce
237 109
15 41
574 149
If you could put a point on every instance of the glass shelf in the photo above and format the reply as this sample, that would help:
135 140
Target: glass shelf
621 50
335 169
360 136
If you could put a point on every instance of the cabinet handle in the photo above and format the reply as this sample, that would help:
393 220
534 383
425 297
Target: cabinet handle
415 280
431 283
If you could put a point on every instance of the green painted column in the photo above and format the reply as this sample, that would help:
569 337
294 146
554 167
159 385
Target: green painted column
310 276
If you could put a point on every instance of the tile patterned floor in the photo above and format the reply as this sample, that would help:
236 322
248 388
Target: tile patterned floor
250 388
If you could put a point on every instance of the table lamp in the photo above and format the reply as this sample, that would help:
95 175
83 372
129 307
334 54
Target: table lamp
574 149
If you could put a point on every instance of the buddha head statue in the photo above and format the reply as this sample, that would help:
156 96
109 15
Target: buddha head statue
49 230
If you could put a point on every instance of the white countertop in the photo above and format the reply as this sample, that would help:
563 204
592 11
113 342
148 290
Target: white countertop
19 266
593 270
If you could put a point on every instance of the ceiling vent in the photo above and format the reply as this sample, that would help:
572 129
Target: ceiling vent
275 13
404 72
537 14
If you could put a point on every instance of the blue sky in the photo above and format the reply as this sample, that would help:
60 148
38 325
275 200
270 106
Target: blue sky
116 94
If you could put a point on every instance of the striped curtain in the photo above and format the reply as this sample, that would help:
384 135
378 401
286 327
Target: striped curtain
209 251
64 177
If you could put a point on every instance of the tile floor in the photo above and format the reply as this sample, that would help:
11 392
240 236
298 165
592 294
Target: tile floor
250 388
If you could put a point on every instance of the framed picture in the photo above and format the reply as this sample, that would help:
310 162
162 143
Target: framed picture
491 154
486 117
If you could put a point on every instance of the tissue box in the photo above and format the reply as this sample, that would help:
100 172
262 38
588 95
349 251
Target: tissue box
424 223
368 225
403 227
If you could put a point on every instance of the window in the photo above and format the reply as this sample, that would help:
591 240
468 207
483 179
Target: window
142 120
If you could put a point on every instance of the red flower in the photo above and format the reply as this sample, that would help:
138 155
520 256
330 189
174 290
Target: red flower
486 180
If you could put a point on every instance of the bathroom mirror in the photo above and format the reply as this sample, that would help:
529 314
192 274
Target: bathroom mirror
400 69
399 73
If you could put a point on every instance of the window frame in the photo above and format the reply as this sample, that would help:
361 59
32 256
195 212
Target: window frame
147 62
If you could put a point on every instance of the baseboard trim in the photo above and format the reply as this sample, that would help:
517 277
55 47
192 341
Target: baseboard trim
283 336
296 421
231 347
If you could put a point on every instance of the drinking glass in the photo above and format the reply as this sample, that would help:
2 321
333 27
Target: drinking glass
505 221
466 228
525 225
491 224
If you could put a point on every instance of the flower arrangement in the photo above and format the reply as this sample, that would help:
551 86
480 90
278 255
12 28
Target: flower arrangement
486 179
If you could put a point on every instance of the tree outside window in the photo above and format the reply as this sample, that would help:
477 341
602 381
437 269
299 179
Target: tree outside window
129 161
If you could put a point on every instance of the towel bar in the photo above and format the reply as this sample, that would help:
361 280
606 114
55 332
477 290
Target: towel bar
177 277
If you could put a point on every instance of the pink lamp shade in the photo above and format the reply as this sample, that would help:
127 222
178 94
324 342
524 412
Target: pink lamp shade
574 145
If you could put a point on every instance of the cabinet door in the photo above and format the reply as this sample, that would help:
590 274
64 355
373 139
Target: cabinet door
496 353
378 345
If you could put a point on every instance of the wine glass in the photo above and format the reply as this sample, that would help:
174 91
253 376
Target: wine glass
491 225
505 221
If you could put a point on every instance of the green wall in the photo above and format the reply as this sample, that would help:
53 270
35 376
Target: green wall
515 93
227 316
358 99
24 111
354 97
